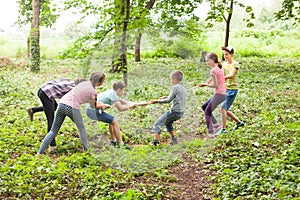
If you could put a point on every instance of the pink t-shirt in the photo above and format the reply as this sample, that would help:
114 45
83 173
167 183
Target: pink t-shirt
216 71
82 93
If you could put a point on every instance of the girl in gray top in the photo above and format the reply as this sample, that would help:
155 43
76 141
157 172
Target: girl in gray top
177 96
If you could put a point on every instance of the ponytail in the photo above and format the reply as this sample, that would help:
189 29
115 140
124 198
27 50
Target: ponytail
220 65
214 57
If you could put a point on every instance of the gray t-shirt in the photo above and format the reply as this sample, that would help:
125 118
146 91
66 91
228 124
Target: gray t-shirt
177 96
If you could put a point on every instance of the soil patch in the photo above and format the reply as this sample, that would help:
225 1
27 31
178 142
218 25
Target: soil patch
192 182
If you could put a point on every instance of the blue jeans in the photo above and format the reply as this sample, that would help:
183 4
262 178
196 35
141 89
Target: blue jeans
230 97
166 119
94 114
61 113
209 106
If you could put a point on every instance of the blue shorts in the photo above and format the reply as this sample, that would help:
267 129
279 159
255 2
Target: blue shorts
230 97
94 114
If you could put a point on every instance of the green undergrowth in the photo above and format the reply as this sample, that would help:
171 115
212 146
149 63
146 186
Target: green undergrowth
258 161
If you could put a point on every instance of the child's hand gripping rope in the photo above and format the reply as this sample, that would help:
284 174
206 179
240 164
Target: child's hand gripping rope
135 104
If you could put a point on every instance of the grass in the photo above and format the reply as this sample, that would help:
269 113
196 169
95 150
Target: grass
268 102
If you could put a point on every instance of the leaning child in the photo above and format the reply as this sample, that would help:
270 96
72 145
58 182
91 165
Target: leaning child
177 96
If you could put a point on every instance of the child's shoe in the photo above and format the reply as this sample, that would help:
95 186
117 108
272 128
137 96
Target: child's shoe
113 143
52 149
125 146
223 131
155 142
173 141
240 124
30 114
217 126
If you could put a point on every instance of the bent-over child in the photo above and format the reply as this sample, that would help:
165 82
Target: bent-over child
112 97
69 105
47 93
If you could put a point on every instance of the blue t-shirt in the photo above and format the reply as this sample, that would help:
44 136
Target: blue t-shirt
107 97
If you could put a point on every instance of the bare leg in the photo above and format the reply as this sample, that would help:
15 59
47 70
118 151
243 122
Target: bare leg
116 131
172 133
232 116
224 118
111 131
156 136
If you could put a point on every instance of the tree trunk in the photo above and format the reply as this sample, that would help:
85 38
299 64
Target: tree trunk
119 62
124 36
226 42
137 50
28 47
35 37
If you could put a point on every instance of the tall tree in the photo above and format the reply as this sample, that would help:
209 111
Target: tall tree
119 61
142 22
222 10
38 13
35 37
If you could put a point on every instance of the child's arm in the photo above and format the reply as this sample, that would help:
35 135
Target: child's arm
102 106
232 73
212 84
209 81
122 107
123 101
164 99
95 104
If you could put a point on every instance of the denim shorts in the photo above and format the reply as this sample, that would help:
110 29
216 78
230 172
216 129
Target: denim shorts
230 97
94 114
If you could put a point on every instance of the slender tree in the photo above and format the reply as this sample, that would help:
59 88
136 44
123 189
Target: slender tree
35 37
222 10
38 13
142 14
119 60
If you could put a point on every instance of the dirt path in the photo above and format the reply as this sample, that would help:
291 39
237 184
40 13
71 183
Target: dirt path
192 182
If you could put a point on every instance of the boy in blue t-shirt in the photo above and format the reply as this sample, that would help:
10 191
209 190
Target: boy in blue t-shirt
109 98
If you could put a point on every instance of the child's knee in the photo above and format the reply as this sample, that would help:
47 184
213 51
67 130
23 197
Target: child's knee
115 121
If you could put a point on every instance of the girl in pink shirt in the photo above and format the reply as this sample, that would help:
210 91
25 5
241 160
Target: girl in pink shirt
69 105
217 81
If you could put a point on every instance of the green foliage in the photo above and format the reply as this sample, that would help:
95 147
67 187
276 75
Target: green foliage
267 101
260 161
220 10
48 16
290 10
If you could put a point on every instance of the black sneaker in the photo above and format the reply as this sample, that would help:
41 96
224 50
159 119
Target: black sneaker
155 142
173 141
240 124
113 143
123 146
